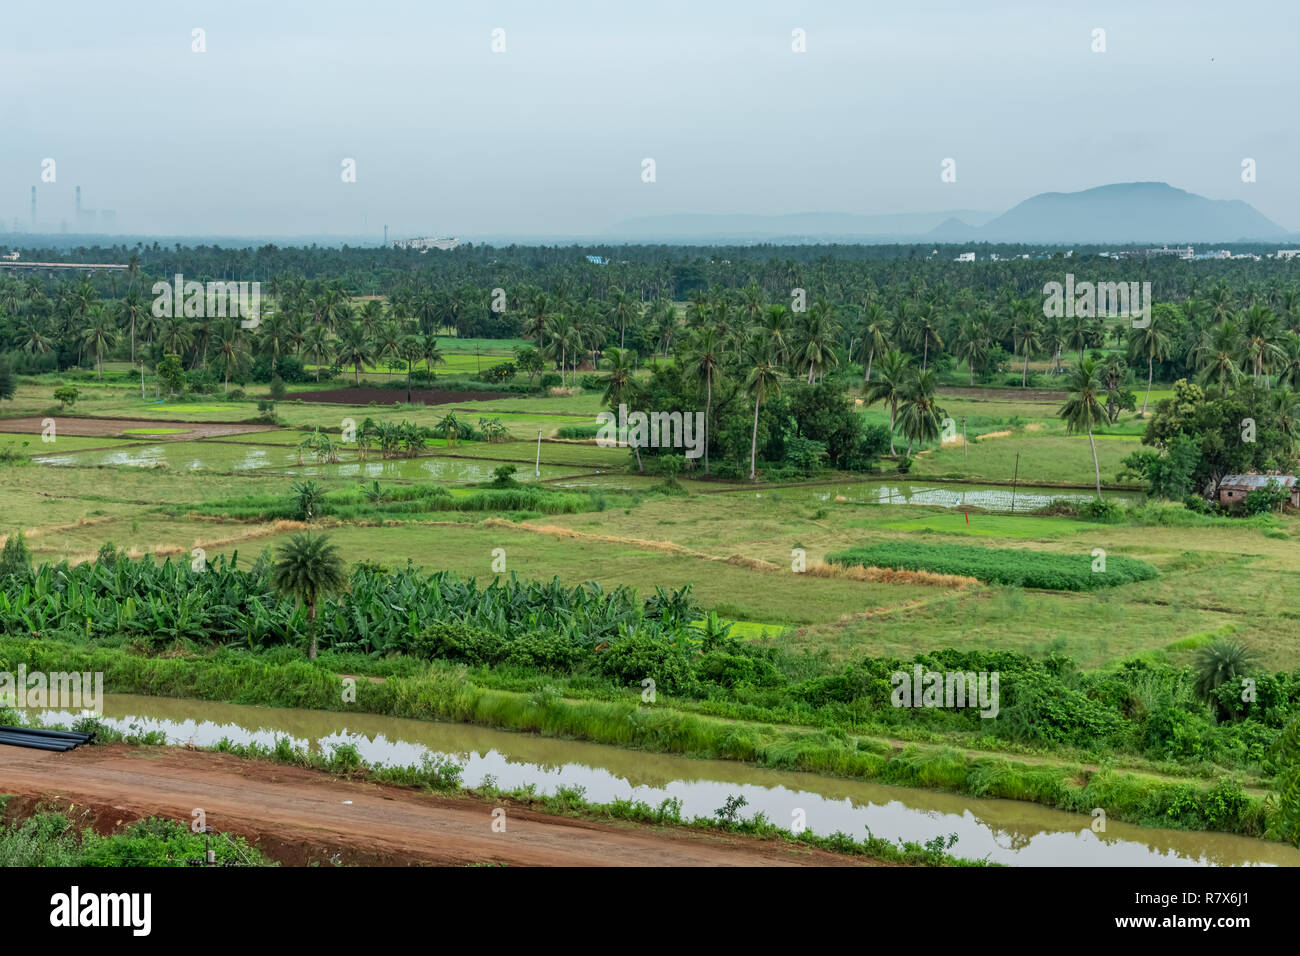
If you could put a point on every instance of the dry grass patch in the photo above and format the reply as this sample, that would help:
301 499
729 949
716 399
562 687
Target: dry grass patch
891 576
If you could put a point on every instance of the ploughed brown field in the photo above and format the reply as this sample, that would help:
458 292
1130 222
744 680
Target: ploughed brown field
391 396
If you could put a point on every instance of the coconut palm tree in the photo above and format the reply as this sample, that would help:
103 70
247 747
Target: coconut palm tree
133 308
410 351
99 335
201 337
919 417
926 332
1288 367
973 343
431 354
36 339
663 319
1151 343
875 335
535 316
762 379
296 329
1083 410
697 308
10 295
1054 339
1031 339
751 304
174 334
704 366
334 306
889 387
272 336
316 346
1078 333
622 310
621 387
1014 324
231 353
387 339
776 327
816 350
373 315
309 570
1215 356
1260 340
354 348
1219 302
1286 406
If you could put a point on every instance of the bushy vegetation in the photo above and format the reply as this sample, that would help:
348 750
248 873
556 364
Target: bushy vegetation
376 613
1137 708
1031 569
401 502
52 839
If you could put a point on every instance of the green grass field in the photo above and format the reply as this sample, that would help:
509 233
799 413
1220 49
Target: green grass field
737 550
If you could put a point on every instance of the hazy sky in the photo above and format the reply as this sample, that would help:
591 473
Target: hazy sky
548 137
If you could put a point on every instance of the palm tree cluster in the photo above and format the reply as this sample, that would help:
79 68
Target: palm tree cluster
743 339
316 322
859 310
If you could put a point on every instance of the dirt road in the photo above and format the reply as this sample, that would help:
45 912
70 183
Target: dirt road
300 816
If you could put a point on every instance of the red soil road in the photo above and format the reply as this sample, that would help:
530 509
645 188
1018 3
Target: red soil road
113 427
299 816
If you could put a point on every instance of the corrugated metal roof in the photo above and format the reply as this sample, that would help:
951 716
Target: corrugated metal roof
1256 481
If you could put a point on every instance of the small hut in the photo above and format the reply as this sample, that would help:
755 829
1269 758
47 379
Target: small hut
1234 488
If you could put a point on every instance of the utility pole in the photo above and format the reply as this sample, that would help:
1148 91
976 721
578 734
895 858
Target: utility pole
964 448
1014 479
537 469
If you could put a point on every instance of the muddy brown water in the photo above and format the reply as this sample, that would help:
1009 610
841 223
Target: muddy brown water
1004 831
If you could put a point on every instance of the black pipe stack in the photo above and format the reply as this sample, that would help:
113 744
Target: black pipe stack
60 740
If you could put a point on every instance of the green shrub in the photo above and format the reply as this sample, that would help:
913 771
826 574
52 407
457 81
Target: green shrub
637 656
1102 510
578 432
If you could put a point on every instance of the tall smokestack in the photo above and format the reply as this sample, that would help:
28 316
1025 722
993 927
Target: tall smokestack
385 236
77 217
33 207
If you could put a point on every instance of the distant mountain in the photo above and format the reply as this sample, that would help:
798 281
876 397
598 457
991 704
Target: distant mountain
1128 212
953 230
794 227
1119 213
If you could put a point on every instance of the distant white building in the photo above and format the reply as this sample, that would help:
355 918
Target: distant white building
1182 252
1288 253
965 257
598 260
426 243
